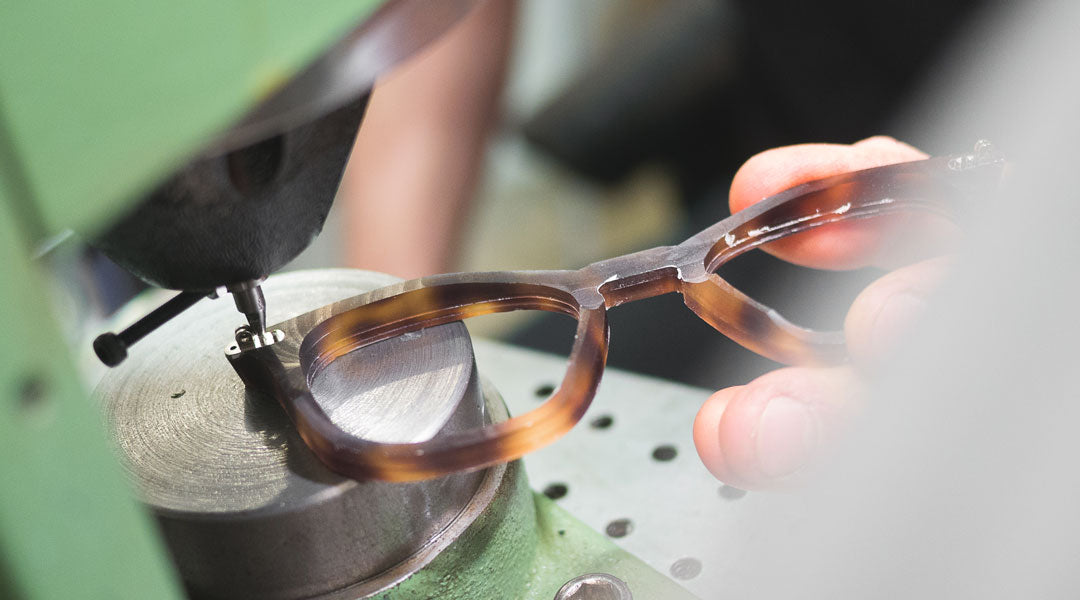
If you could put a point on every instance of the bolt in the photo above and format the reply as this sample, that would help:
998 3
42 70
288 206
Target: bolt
686 568
594 586
32 395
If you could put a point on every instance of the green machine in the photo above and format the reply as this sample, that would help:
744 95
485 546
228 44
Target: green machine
114 115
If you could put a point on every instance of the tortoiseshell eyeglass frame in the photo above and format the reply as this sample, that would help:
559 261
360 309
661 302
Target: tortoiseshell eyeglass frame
943 185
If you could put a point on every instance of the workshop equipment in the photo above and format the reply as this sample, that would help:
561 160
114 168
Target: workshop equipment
247 510
180 140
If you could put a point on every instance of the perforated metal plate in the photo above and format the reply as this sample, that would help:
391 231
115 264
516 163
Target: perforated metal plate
630 469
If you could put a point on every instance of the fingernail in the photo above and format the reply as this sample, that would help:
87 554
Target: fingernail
786 437
896 316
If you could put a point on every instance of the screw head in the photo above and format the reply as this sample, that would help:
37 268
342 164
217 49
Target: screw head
595 586
686 568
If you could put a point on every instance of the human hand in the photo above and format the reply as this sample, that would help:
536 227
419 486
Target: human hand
764 434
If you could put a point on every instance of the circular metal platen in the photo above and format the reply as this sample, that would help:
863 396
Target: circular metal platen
246 509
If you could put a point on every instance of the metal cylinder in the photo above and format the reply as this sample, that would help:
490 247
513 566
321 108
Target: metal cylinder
245 508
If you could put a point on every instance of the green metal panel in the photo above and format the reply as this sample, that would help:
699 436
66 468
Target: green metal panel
97 101
102 98
69 526
526 547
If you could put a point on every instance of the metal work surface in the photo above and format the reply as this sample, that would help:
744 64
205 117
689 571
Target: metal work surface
194 443
239 496
629 468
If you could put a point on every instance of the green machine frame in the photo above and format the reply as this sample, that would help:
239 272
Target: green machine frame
98 100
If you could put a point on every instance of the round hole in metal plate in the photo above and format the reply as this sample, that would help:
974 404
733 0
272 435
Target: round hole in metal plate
544 390
556 490
602 422
619 528
665 453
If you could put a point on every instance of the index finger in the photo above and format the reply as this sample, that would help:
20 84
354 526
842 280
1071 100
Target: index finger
844 245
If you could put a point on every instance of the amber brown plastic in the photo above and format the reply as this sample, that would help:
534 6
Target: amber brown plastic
946 185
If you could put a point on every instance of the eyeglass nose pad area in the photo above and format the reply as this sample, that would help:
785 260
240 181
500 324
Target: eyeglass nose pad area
759 328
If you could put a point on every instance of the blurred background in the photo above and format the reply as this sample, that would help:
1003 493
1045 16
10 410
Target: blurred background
547 134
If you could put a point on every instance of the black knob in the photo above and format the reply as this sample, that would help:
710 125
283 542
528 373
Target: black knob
110 348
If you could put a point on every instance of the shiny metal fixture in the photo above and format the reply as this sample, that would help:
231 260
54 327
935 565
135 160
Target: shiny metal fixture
245 508
595 586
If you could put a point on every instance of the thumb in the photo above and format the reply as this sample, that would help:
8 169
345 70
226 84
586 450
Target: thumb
765 434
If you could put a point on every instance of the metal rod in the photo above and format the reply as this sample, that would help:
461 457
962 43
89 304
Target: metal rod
112 348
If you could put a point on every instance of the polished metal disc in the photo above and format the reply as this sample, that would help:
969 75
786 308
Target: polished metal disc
246 508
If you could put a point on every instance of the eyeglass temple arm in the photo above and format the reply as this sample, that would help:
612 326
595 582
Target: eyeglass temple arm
760 328
944 184
936 184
